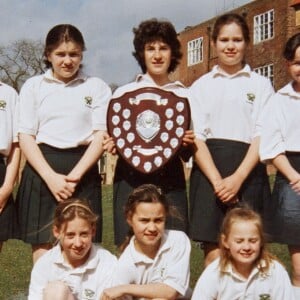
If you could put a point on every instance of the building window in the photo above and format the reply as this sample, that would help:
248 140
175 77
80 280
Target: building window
267 71
195 51
264 26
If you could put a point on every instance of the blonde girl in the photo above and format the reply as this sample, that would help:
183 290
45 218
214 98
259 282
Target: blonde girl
74 268
245 269
155 263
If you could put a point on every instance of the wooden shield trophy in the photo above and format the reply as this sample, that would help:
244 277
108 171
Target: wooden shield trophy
148 125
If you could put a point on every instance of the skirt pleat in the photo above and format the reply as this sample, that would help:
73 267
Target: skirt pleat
9 228
206 210
36 204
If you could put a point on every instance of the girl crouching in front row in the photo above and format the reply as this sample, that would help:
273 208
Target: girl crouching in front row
245 270
74 268
155 263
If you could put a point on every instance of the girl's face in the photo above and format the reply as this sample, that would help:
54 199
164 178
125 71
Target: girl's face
65 60
294 70
75 240
244 245
230 46
157 59
148 225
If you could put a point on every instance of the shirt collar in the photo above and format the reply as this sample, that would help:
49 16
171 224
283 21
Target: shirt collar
289 91
48 75
148 79
91 263
139 257
245 71
229 270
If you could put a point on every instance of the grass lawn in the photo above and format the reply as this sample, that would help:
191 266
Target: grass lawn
15 259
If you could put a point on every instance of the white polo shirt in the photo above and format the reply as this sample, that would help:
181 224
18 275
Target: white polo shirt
63 115
275 285
281 130
170 266
144 80
229 106
8 118
86 282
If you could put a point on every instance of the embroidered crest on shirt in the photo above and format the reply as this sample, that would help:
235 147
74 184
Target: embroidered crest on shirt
250 97
88 294
264 297
2 104
88 101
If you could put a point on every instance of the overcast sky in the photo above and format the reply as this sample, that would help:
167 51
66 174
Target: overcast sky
106 26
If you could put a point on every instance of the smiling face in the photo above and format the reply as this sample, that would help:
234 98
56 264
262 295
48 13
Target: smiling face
244 244
148 225
65 61
76 240
230 46
157 56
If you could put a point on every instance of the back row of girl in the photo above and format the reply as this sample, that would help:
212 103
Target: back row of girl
62 127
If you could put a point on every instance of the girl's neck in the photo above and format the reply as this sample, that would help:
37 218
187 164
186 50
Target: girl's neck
160 80
296 87
149 251
242 270
231 69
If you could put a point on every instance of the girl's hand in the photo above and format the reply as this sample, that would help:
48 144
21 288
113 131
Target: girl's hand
295 185
109 144
113 293
229 188
59 186
188 138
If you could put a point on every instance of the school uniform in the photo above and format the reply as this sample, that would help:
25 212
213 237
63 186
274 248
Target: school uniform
86 282
280 135
170 178
170 265
62 117
227 113
228 285
8 136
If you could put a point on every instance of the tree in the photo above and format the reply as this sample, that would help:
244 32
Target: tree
21 60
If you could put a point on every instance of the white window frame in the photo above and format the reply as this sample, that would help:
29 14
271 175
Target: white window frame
267 71
195 51
263 26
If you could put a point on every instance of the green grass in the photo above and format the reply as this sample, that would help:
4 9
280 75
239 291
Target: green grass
15 259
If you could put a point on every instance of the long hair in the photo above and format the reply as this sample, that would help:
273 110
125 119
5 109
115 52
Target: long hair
241 214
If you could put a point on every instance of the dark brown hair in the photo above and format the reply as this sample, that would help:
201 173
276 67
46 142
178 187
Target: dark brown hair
154 30
291 46
227 19
59 34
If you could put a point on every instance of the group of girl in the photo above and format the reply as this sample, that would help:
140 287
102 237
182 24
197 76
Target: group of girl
61 131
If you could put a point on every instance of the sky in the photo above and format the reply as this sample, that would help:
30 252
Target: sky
105 24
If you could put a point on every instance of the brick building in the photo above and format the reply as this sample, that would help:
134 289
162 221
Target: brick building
271 23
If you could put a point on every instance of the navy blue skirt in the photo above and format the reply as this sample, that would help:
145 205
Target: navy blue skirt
36 204
8 218
206 210
282 212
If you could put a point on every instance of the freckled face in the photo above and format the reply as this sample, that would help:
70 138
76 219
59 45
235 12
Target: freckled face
148 225
65 60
